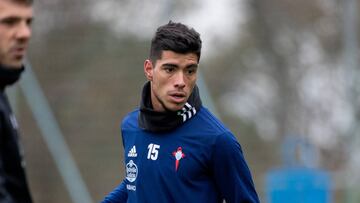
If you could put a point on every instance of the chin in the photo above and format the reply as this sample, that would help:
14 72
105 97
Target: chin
15 65
176 107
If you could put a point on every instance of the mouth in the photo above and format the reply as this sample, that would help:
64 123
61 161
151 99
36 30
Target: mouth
178 97
18 51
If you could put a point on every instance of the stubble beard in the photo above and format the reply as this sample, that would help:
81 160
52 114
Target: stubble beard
162 103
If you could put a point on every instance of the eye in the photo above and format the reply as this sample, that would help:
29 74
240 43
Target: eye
9 21
29 21
169 69
191 70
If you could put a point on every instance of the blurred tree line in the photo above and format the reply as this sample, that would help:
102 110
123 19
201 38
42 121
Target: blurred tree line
278 71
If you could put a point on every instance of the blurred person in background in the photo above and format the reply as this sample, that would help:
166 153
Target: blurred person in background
15 20
175 149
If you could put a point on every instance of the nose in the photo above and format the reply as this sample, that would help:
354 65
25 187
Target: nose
180 80
23 31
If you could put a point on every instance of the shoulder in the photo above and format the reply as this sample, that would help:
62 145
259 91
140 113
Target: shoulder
222 135
130 120
209 122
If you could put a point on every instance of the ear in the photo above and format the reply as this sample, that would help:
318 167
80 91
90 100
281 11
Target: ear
148 69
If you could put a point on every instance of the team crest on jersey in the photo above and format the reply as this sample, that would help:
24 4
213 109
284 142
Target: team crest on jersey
131 171
178 154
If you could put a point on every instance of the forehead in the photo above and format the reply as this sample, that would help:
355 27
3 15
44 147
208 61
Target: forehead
170 56
10 8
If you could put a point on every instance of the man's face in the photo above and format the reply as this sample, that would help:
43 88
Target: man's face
15 32
172 79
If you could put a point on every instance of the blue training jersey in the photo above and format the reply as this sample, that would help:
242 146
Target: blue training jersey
198 162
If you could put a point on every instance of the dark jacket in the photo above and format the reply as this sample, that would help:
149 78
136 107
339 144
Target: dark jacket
13 184
201 161
194 160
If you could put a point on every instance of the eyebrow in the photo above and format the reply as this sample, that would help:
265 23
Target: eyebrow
170 65
175 65
16 18
192 66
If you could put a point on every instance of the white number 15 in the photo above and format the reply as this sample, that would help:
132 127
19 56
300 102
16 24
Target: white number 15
153 151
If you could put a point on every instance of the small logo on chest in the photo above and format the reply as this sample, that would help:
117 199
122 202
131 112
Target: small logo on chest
178 154
132 152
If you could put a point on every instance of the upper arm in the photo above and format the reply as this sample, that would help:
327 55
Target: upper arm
231 172
118 195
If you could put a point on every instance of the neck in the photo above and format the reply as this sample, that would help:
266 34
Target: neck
9 76
156 104
161 121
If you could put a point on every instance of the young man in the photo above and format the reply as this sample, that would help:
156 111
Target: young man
176 151
15 32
